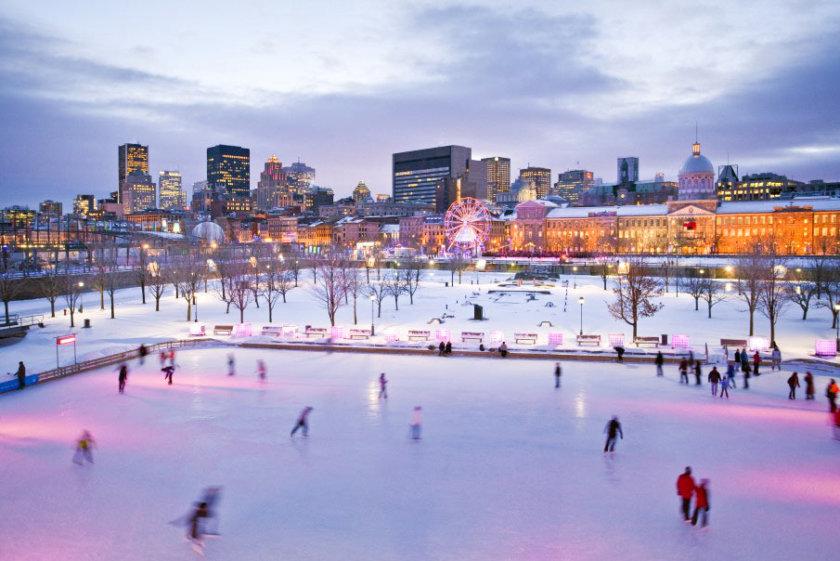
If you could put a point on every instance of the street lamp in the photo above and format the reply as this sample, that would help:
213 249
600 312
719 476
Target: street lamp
81 297
580 301
837 325
372 298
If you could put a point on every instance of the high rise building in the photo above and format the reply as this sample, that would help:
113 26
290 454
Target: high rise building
299 178
418 175
272 184
697 177
570 184
131 157
51 209
628 170
727 183
498 176
540 177
84 205
171 193
361 193
139 192
229 171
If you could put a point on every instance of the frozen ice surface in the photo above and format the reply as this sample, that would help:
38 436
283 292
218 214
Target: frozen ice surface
508 467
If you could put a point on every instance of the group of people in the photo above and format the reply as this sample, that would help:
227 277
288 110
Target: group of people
444 348
688 489
793 383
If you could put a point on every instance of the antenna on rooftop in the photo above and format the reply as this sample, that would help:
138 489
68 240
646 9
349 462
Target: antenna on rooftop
695 131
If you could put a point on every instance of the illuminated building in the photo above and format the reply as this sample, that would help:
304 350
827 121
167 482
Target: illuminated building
628 170
416 174
271 186
229 171
18 216
361 193
764 186
299 178
131 158
540 177
498 176
51 209
570 184
139 192
171 193
84 205
697 177
727 183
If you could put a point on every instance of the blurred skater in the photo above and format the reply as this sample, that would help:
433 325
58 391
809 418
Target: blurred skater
809 386
448 348
831 391
383 387
123 377
231 365
775 358
261 372
21 375
142 352
163 355
172 357
659 361
747 379
441 348
612 430
195 527
714 380
724 386
503 349
793 383
416 422
737 359
697 373
84 448
685 489
210 497
168 370
558 373
756 363
683 371
302 422
701 504
730 373
745 360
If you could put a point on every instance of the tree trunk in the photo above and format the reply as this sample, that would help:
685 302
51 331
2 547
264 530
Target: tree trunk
355 318
111 297
696 304
102 298
72 324
710 311
6 305
143 290
379 309
270 307
396 303
52 308
157 304
751 322
189 309
241 315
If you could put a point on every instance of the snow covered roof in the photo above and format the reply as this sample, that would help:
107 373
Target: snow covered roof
390 229
627 210
817 203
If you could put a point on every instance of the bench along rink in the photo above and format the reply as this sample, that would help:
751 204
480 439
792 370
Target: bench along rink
507 468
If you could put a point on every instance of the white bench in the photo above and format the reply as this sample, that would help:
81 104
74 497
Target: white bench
647 341
223 330
472 335
532 337
274 330
359 334
315 332
419 334
589 339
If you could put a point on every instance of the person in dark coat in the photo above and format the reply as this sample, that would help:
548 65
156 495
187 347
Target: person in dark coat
697 372
441 348
831 393
612 430
558 372
168 370
685 489
195 528
123 377
683 371
756 363
503 349
302 422
809 386
21 375
448 349
737 359
714 380
142 352
793 383
659 361
701 503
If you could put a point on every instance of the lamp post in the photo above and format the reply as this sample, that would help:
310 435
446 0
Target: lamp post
372 298
580 301
81 297
837 325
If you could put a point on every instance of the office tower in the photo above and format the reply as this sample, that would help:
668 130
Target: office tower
498 176
51 209
628 170
131 157
416 174
299 178
540 177
229 171
84 205
474 182
570 184
361 193
727 183
171 193
139 192
272 183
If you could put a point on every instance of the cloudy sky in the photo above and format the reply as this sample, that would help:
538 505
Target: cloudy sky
344 85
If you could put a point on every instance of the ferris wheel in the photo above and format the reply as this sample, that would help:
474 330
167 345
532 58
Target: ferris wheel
467 225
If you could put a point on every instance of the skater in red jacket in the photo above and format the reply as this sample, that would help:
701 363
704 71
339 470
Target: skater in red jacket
685 489
702 503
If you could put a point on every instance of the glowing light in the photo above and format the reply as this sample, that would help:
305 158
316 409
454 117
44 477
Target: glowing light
65 340
825 347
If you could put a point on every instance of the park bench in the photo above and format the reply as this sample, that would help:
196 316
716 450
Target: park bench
315 332
472 335
531 337
733 343
359 334
222 330
419 334
589 339
647 341
274 330
197 330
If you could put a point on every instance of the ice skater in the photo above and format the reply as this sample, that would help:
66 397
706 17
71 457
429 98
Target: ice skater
84 448
714 380
701 503
558 373
302 422
659 361
756 363
612 430
683 371
416 422
142 352
809 386
441 348
724 386
448 349
831 393
168 370
231 365
163 355
123 377
737 359
793 383
697 373
21 375
210 497
261 372
194 529
776 358
172 357
685 490
383 387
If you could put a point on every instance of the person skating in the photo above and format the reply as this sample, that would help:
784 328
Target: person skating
683 371
730 373
659 361
809 386
123 377
172 357
558 372
302 422
21 375
142 352
168 370
793 383
612 430
745 360
747 379
231 365
195 530
84 447
831 391
416 422
697 373
756 363
503 349
163 355
737 359
685 490
724 386
383 387
261 370
701 503
714 380
776 359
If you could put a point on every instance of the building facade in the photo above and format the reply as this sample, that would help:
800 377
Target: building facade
229 171
416 174
570 184
130 158
170 191
139 193
51 209
697 177
498 176
540 177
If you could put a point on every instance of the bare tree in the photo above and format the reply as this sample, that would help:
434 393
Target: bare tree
668 266
294 267
634 292
111 278
772 293
276 276
254 261
379 291
330 286
394 284
9 289
831 290
353 287
241 291
693 285
72 292
457 264
801 294
413 275
141 272
157 282
751 267
187 275
100 270
712 293
224 271
50 286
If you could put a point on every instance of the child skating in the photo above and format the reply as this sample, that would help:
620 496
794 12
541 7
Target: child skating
383 387
84 448
416 422
302 422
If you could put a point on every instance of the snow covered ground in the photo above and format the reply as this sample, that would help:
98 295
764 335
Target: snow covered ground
508 467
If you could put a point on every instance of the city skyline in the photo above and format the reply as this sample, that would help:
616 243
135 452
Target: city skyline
544 85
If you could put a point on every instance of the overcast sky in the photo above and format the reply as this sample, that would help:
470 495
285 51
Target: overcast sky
343 85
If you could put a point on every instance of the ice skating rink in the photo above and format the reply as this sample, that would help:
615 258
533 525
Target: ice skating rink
508 467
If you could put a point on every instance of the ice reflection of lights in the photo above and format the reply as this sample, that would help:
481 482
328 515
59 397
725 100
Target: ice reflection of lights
373 401
580 405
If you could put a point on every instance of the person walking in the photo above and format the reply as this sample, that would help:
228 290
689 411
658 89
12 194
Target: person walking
21 375
685 490
714 380
383 387
701 503
697 373
659 361
84 447
416 422
793 383
503 349
302 422
724 386
809 386
683 371
831 393
558 372
231 365
168 370
123 377
612 430
756 363
776 359
737 359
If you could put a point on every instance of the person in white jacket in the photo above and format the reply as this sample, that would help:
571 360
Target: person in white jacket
416 422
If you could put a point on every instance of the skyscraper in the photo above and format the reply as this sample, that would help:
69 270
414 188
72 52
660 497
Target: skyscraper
299 178
171 193
361 193
139 192
570 184
540 177
272 183
51 209
229 171
131 157
417 174
498 176
84 205
628 170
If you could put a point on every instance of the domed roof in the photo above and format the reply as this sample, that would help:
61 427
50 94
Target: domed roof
209 231
697 163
